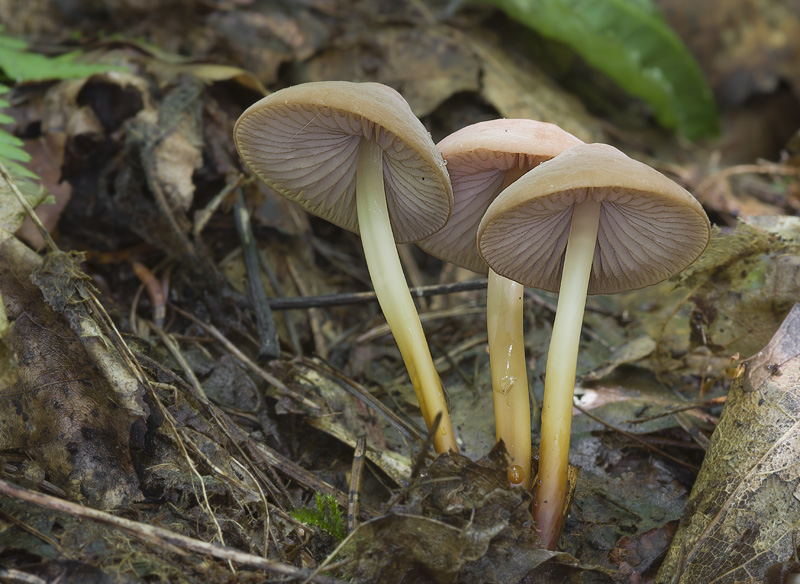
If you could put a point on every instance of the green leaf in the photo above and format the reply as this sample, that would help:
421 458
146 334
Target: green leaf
8 43
630 42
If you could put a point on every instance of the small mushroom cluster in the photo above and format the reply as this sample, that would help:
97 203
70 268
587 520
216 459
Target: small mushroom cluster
525 201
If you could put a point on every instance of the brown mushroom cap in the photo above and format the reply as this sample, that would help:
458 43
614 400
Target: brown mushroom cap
303 141
650 228
479 157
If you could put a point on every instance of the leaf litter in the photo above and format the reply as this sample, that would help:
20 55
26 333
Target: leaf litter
743 512
198 437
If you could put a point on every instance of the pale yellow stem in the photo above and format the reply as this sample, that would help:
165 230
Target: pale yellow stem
559 384
504 316
392 292
512 413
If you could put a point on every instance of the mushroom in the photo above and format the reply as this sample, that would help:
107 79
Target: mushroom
355 154
591 220
482 160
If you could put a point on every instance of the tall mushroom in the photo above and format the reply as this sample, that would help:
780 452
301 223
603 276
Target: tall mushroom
355 154
482 160
592 220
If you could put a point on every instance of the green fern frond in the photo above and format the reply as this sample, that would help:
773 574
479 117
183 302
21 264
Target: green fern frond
13 157
20 65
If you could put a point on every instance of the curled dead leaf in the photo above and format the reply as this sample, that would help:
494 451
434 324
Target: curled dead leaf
67 402
744 508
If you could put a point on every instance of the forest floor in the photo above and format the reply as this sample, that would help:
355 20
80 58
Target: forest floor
135 383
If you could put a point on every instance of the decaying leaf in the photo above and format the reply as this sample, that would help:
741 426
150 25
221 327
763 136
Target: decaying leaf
47 155
208 72
152 197
746 47
750 288
732 299
468 525
643 551
341 415
12 215
745 505
426 65
69 404
173 141
269 35
518 89
632 351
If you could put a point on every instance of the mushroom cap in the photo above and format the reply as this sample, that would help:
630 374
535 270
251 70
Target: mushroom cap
303 141
479 157
650 228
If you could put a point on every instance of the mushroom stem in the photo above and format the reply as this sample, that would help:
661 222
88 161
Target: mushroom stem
512 414
559 383
392 292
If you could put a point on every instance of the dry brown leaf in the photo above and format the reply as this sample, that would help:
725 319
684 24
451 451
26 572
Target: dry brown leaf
176 158
519 89
744 507
47 154
264 39
748 50
468 525
630 352
340 415
427 65
166 72
732 299
746 47
151 197
68 404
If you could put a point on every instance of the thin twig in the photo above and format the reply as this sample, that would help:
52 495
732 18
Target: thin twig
425 318
271 379
419 462
159 537
324 300
766 168
288 318
265 322
682 408
635 438
356 474
51 244
203 216
313 314
277 490
357 390
32 530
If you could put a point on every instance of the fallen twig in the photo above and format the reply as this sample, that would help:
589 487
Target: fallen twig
159 537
